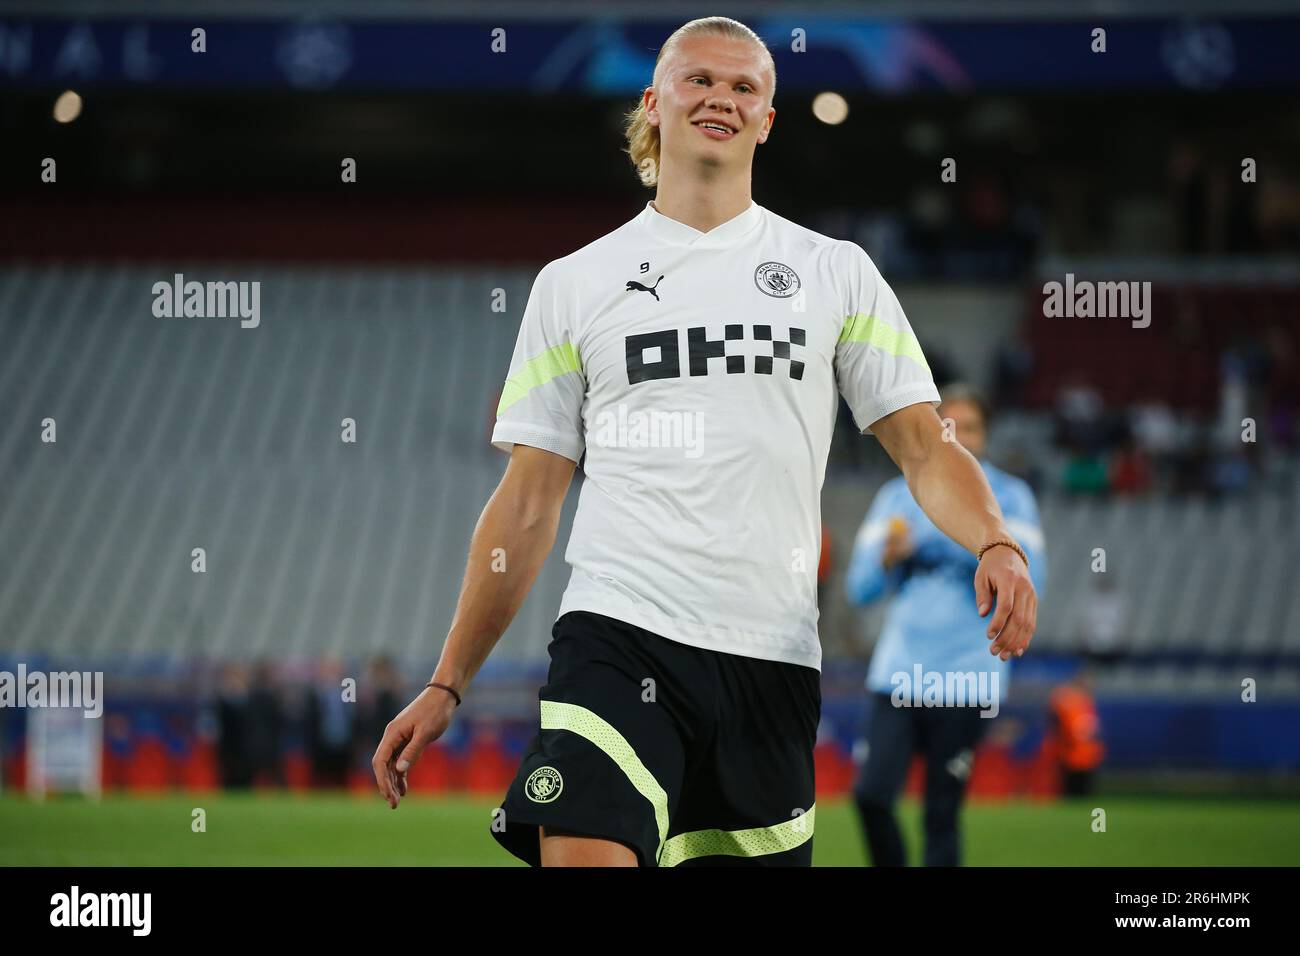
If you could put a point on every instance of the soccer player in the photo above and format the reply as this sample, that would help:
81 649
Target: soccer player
690 360
931 629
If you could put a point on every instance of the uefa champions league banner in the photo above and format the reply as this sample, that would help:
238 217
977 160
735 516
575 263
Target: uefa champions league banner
612 57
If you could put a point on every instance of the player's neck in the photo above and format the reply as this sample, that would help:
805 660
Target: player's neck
699 204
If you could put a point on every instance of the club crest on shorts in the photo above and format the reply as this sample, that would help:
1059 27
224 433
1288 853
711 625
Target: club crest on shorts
776 279
543 785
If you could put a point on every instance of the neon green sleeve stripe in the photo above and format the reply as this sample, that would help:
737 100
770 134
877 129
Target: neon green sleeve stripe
539 370
585 723
868 329
759 841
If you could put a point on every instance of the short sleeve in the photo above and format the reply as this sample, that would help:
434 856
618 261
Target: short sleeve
879 367
541 401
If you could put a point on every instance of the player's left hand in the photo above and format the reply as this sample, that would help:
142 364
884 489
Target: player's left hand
420 723
1002 574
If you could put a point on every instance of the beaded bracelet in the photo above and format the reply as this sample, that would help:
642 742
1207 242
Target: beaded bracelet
1010 544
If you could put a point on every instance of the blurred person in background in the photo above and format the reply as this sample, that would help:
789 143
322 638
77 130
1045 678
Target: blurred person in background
266 726
378 698
329 727
1013 369
1102 623
932 623
1130 470
1085 474
234 756
1080 414
1073 738
250 727
1157 435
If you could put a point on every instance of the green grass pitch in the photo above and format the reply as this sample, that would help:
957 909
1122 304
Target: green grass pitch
329 830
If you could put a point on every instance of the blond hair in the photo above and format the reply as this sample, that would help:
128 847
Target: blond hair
643 138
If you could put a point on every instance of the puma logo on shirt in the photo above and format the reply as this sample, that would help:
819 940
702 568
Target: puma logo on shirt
634 286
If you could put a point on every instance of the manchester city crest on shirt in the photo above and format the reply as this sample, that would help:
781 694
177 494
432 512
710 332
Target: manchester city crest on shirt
543 785
776 279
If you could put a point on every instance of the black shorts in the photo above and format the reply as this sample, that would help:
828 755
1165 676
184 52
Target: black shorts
686 755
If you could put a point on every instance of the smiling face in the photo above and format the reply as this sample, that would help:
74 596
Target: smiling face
711 102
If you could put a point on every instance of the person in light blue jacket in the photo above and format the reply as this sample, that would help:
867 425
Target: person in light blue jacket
932 682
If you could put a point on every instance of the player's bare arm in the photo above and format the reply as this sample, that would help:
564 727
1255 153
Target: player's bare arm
949 485
521 519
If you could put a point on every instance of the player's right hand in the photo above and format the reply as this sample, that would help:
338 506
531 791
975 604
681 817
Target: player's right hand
420 723
898 542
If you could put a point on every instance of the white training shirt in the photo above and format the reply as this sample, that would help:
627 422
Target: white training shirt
698 373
